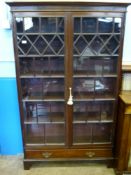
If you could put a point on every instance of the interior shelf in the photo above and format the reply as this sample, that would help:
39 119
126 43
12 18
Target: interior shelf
50 118
27 99
41 76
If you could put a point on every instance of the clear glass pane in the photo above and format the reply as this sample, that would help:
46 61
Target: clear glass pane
77 25
105 25
79 112
107 110
94 87
89 25
102 133
40 44
93 111
31 25
32 88
48 25
113 44
96 45
54 88
44 112
82 133
94 65
43 88
105 87
56 65
110 65
87 111
54 134
60 25
34 133
30 112
83 88
80 65
32 39
48 134
24 44
41 66
118 24
92 45
26 66
80 45
43 44
19 25
49 44
52 112
57 44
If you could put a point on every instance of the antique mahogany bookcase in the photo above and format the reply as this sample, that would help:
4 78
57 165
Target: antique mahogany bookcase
68 63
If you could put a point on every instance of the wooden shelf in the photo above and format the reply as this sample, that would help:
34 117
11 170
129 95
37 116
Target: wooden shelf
95 76
42 76
42 99
97 55
97 33
40 141
126 97
92 122
39 33
53 118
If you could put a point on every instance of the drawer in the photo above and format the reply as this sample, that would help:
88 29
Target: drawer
68 153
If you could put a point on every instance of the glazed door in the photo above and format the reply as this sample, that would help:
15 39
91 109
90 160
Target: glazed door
67 67
41 55
96 46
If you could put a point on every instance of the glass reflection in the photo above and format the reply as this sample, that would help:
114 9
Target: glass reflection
102 133
42 88
44 112
95 65
82 133
77 25
45 134
94 87
118 24
89 25
105 25
48 25
31 24
92 133
55 133
19 25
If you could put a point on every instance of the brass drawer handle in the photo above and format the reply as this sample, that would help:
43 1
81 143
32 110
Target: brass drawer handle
46 155
90 154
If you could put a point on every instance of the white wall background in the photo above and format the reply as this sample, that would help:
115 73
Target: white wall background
127 39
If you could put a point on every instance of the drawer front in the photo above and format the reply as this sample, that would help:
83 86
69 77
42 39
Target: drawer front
68 153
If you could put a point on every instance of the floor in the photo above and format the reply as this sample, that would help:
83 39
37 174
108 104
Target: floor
12 165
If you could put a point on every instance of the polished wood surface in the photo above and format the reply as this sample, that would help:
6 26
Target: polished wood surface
123 144
126 97
99 2
126 68
69 153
